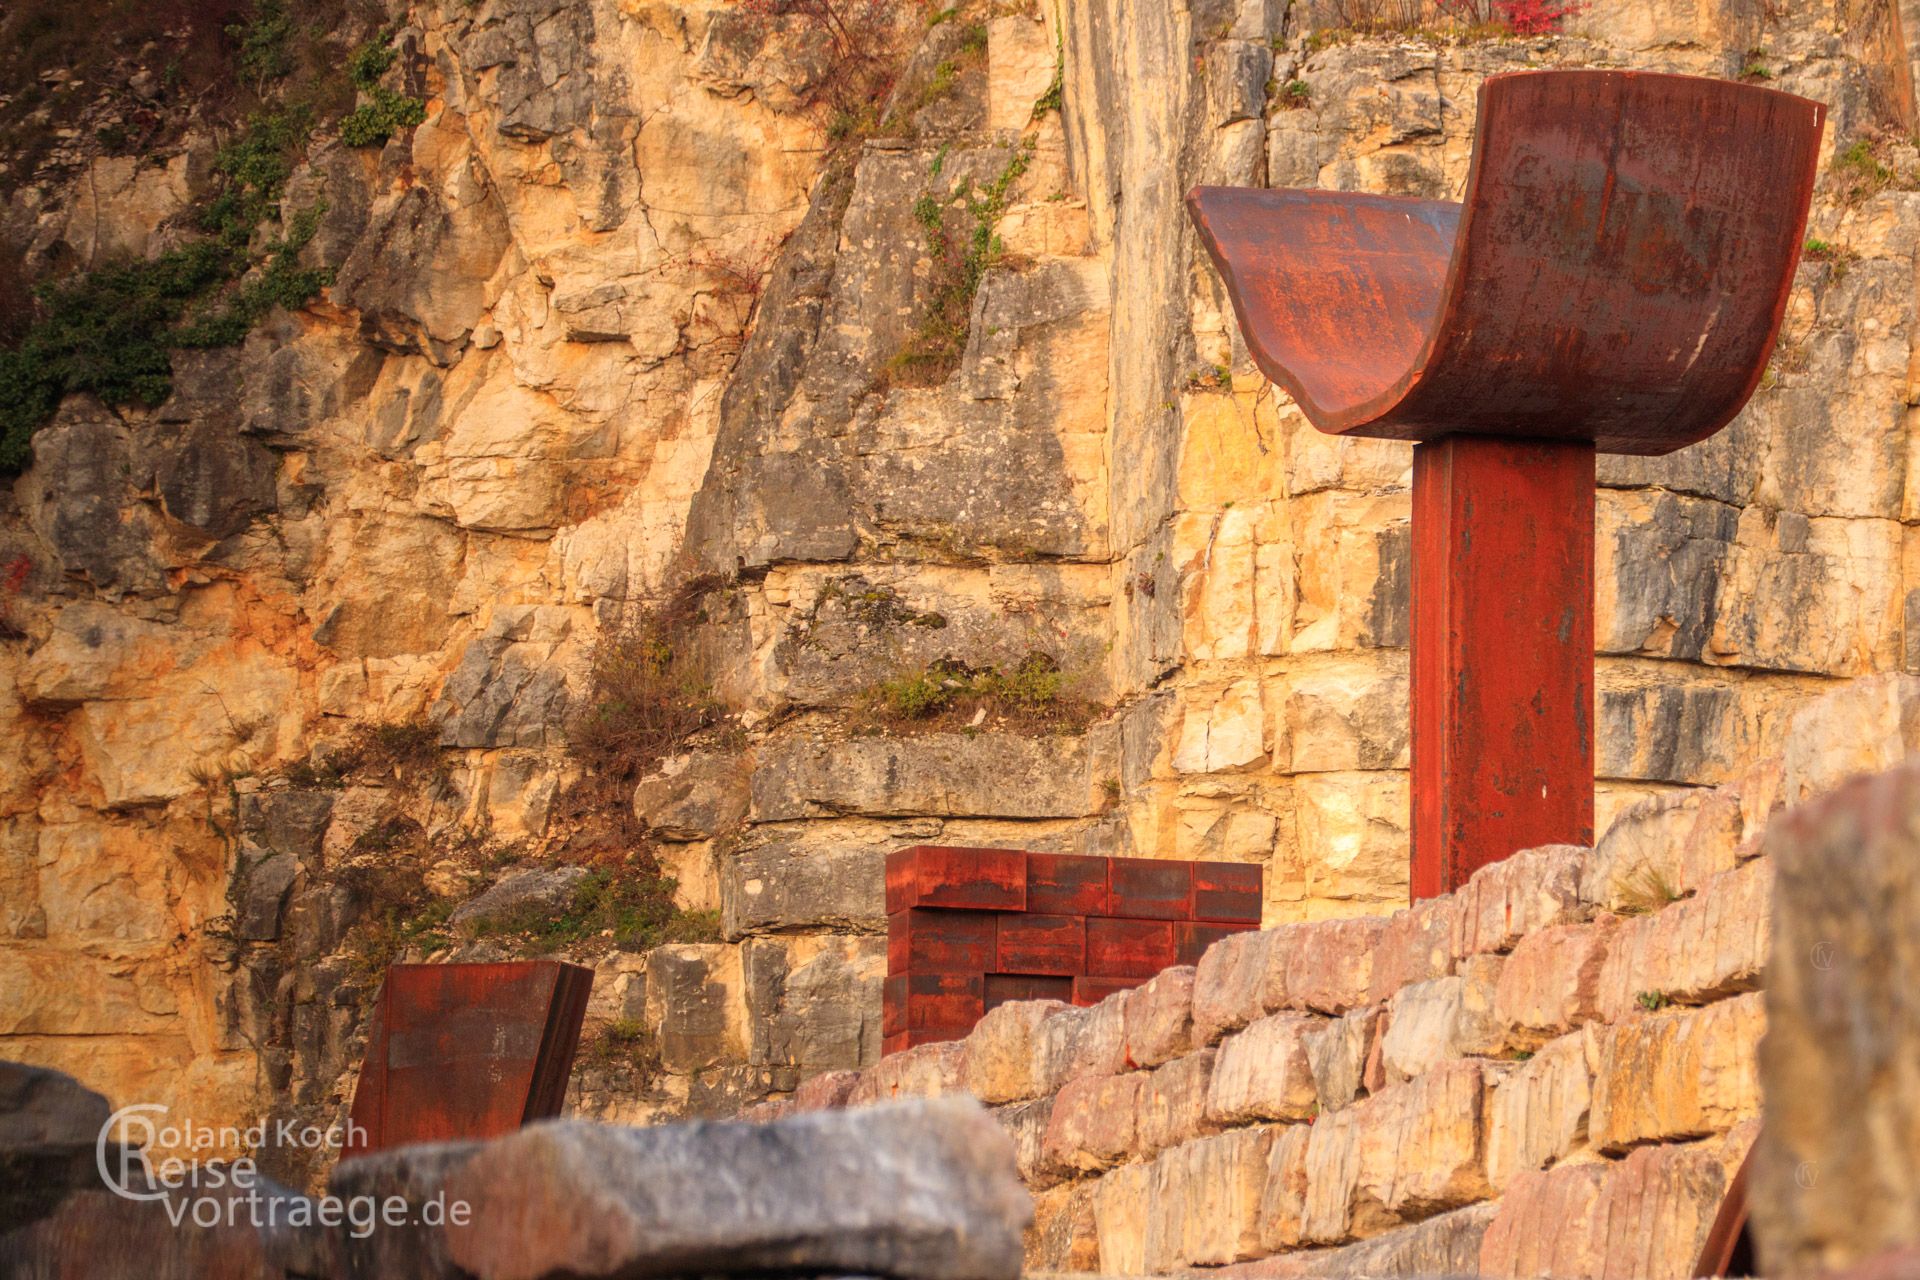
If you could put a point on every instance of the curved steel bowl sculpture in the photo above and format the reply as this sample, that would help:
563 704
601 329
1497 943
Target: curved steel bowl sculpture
1616 273
1613 282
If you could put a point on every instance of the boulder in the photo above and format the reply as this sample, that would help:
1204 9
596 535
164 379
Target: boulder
924 1190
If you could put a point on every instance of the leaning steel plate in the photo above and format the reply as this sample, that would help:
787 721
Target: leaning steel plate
467 1051
1617 272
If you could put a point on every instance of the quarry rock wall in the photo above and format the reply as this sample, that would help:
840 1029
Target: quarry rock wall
627 314
1556 1070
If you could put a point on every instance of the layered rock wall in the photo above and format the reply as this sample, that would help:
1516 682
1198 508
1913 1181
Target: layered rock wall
1553 1071
625 311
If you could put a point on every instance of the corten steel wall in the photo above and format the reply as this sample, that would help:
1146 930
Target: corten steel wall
970 929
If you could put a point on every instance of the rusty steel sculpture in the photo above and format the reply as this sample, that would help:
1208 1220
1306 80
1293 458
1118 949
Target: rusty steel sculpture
1613 282
467 1051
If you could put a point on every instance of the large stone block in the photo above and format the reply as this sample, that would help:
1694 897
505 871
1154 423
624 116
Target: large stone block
1330 964
1173 1105
1646 1215
814 1002
927 1189
1506 901
1537 1115
1696 950
1836 1177
1423 1028
1231 984
1003 1051
696 1000
948 775
1416 945
1864 726
1550 984
926 1071
1159 1017
1682 1074
776 888
1337 1052
1263 1072
1122 1207
1091 1041
1204 1208
1407 1152
1664 844
1094 1124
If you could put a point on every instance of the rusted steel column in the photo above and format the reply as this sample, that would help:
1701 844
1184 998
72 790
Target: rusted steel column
1612 281
1502 665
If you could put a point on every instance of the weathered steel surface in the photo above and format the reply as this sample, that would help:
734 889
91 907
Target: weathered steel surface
467 1051
1613 280
1728 1250
1502 663
1616 274
1014 924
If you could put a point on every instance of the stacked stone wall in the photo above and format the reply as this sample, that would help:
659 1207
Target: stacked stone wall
1552 1071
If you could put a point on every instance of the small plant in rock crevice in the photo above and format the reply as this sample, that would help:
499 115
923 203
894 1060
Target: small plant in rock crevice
1033 693
960 262
648 687
1645 889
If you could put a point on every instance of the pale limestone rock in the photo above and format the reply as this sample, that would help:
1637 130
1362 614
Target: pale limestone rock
1346 717
1416 945
1407 1152
1480 1032
1423 1028
696 1001
1509 899
1869 725
1026 1123
1228 733
1695 951
1337 1053
947 775
1078 1043
694 795
1834 1174
1537 1115
1003 1051
1020 66
1094 1123
1159 1017
1205 1201
1231 982
1677 1075
928 1071
1666 843
1283 1201
1122 1206
1550 983
1065 1236
1330 964
1350 845
1646 1215
1173 1103
1263 1072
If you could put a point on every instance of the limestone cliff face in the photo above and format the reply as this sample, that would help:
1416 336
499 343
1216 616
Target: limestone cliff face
626 312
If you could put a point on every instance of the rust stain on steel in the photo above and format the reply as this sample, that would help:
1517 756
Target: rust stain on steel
1616 274
468 1050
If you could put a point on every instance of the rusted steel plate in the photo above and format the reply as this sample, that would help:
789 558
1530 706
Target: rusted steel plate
1502 661
1728 1250
1616 273
467 1051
